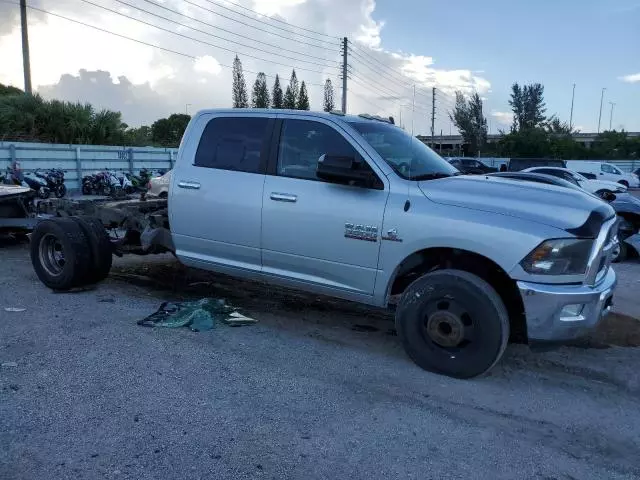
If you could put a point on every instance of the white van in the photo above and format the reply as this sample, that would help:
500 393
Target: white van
604 171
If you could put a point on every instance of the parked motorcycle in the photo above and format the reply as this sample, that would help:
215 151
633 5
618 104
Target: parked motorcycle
54 179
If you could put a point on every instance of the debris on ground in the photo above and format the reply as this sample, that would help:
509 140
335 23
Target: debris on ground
198 316
14 309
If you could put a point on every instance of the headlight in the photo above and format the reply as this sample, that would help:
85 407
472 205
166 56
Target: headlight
562 256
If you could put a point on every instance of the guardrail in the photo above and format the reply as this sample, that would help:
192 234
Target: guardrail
80 160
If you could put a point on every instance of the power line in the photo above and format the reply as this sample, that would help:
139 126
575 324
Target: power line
391 78
377 90
142 42
210 44
255 20
278 47
388 90
282 21
368 101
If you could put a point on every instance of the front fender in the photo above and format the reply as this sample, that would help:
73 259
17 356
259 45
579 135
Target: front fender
504 240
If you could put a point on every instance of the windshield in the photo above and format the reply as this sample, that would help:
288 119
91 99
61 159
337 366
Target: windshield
578 176
408 156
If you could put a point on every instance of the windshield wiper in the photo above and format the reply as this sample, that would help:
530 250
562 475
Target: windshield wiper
432 176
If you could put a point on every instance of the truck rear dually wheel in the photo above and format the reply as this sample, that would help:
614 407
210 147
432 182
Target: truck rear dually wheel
100 245
453 322
60 253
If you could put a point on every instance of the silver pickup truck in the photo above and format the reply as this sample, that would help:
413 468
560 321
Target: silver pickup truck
356 208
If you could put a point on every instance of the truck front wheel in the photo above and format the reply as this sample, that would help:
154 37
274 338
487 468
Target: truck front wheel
453 322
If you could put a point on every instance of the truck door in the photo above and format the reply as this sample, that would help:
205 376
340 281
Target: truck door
316 233
215 199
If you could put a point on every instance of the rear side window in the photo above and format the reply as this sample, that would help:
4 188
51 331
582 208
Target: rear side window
234 143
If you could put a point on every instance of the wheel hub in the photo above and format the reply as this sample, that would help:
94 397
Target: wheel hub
445 328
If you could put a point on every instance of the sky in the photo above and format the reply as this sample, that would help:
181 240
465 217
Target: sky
396 48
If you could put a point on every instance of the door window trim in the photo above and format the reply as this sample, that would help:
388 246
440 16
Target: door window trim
272 164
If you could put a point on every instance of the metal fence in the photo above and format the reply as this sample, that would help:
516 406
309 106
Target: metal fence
624 165
80 160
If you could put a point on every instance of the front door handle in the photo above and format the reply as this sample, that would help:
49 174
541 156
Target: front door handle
283 197
190 185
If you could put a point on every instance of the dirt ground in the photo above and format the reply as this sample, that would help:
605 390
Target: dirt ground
319 388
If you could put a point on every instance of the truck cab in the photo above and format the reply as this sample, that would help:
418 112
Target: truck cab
354 207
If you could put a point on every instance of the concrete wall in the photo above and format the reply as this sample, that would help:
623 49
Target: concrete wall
80 160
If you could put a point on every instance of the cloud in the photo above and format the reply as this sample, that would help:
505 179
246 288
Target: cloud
78 63
632 78
503 118
207 64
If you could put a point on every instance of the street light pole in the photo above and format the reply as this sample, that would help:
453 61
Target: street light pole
573 96
600 114
611 114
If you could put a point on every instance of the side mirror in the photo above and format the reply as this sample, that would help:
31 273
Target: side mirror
608 196
339 169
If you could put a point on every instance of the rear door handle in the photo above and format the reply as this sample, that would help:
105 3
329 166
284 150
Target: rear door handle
283 197
190 185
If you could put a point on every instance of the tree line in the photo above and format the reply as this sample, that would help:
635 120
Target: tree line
533 133
295 96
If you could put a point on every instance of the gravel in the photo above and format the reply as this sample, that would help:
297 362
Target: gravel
316 389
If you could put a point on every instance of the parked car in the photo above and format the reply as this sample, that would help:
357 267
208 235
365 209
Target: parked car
594 186
159 186
471 166
359 209
519 164
605 171
637 172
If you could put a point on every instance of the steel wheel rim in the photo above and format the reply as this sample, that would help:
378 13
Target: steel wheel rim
51 255
447 324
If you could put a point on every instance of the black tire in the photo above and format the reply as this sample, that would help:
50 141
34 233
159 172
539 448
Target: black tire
60 253
101 250
453 322
624 182
622 252
106 190
163 194
44 193
86 189
61 190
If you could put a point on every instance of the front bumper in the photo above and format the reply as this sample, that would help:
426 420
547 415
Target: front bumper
544 304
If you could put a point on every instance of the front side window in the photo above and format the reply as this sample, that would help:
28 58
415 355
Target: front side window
303 142
406 155
607 168
233 143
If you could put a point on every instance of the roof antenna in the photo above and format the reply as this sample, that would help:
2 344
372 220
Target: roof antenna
407 203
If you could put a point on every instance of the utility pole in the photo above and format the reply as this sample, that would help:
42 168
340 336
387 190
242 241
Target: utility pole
433 115
573 96
440 147
611 114
345 43
600 114
26 62
186 108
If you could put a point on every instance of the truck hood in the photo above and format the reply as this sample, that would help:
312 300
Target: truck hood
560 207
